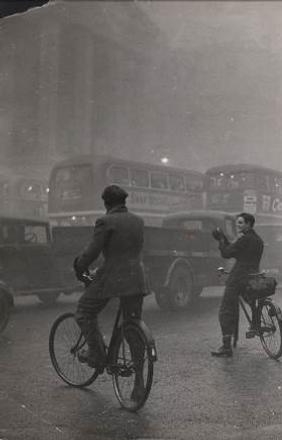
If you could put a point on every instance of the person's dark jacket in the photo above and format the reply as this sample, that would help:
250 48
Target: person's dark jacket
247 251
118 235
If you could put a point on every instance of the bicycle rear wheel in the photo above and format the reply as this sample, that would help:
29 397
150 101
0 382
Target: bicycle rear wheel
270 328
127 367
65 343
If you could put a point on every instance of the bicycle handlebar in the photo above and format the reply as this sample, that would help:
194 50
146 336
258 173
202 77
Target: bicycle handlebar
222 271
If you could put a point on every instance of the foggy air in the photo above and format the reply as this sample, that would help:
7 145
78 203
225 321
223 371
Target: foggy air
178 105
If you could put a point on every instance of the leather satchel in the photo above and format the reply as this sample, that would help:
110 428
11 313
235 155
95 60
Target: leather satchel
261 286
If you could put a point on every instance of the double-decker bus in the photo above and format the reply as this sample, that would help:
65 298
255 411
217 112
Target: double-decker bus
23 196
76 184
244 187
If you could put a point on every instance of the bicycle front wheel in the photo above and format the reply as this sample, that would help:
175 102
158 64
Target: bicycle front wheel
132 367
270 328
65 342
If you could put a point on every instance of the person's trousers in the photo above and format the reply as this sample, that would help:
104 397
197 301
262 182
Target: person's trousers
229 309
87 312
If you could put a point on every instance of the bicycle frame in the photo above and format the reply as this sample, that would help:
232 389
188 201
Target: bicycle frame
118 326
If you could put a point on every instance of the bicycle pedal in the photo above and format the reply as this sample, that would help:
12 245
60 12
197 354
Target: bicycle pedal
251 334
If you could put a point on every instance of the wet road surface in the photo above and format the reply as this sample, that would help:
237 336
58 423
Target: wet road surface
194 396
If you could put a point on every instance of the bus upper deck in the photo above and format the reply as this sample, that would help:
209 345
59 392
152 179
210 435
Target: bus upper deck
244 187
153 190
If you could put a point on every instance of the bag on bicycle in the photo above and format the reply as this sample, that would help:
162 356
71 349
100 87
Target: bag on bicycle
260 287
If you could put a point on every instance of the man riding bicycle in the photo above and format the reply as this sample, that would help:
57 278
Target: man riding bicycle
118 236
247 251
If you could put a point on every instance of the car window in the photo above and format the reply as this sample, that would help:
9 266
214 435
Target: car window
20 234
9 234
192 225
34 234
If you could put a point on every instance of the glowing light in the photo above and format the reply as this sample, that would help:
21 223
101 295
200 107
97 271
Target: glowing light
221 174
164 160
73 218
29 188
47 190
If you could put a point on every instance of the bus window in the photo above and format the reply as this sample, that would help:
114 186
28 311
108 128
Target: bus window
139 178
30 191
4 190
193 183
158 180
246 180
74 182
278 185
176 182
216 181
263 182
232 182
119 175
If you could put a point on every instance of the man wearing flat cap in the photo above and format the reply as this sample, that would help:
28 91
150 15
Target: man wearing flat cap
118 236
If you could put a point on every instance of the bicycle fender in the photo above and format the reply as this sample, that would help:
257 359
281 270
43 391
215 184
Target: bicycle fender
278 311
149 338
276 307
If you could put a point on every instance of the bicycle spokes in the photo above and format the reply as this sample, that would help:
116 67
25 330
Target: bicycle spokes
270 329
65 344
133 368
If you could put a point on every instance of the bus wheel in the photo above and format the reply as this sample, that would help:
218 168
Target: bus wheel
48 298
181 289
162 298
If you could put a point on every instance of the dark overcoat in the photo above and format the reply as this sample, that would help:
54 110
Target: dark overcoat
247 250
118 236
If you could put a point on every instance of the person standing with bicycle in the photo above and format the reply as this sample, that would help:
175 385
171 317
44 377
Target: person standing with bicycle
247 251
118 236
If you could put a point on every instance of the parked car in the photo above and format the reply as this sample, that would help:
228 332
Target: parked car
28 264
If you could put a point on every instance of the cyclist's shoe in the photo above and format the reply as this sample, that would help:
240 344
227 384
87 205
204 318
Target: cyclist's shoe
92 359
223 352
251 333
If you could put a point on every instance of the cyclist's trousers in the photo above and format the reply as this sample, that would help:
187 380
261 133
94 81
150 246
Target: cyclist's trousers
89 308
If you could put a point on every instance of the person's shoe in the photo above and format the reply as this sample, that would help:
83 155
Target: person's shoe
251 333
223 352
92 359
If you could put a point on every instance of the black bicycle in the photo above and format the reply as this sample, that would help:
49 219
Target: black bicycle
66 342
267 320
